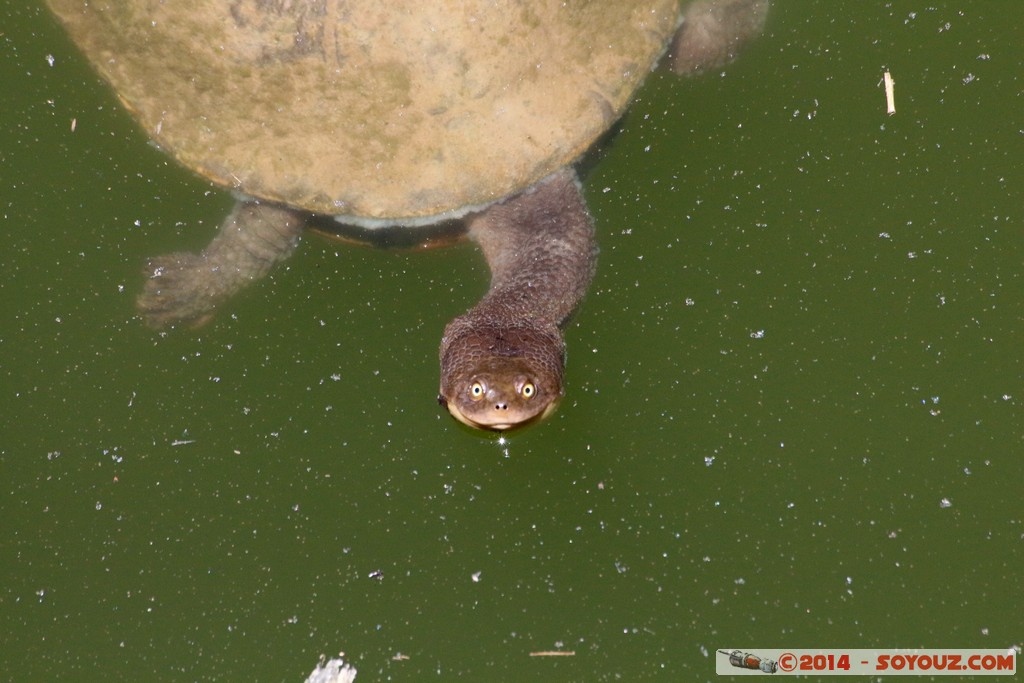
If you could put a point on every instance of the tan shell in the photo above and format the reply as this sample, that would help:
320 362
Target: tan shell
372 108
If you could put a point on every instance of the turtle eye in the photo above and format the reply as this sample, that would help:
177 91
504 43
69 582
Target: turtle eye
528 390
476 391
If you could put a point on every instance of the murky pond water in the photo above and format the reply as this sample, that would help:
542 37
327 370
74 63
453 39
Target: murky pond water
794 412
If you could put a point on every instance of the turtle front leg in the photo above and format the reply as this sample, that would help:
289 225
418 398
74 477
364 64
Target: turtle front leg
186 288
502 361
713 32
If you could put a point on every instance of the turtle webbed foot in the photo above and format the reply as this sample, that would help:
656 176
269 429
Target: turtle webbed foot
186 288
178 291
714 31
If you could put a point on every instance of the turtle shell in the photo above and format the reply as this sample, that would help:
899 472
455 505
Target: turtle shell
372 109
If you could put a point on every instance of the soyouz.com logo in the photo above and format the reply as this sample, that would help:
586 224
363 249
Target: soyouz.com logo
731 662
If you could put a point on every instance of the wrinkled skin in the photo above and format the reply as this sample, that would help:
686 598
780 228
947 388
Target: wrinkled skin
502 362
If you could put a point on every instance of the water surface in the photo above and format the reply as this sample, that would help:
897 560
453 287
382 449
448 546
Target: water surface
793 419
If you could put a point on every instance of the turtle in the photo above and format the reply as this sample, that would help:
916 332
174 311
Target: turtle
400 116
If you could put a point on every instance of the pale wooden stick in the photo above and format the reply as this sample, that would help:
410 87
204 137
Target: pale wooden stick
890 98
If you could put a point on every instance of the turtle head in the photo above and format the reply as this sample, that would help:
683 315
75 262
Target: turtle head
499 377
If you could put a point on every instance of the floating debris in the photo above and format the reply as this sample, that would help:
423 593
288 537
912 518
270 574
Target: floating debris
890 97
332 671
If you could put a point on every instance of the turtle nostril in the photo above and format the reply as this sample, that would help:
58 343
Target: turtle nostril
501 406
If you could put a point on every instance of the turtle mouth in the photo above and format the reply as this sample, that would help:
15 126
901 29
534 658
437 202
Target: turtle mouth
500 418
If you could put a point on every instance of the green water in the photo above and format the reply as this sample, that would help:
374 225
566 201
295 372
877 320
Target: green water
794 394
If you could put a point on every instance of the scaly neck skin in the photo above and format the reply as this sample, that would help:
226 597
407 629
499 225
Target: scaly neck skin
502 362
541 251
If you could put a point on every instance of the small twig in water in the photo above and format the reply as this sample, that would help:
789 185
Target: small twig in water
890 97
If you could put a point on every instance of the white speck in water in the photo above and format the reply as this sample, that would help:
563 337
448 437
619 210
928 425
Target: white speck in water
945 503
50 60
709 460
476 577
99 505
757 334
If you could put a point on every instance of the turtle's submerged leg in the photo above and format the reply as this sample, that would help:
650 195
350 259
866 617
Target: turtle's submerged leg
714 31
502 361
186 288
